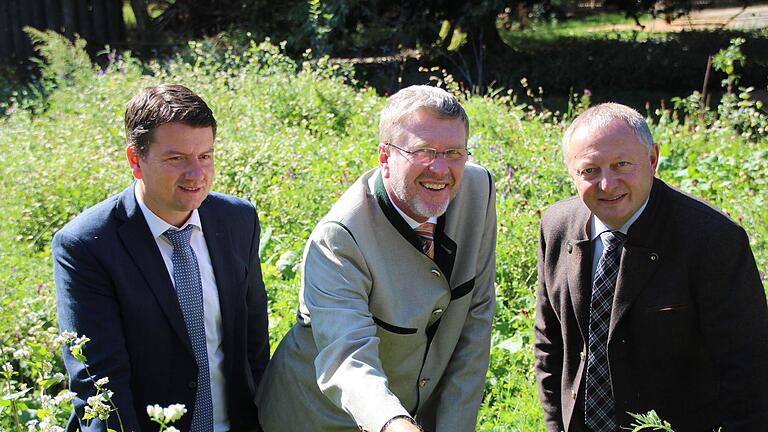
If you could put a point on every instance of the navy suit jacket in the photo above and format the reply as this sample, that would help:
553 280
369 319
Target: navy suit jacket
112 286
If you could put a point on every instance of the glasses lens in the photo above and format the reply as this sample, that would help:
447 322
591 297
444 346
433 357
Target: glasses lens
424 155
455 154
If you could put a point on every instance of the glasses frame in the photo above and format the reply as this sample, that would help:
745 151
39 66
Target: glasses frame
435 153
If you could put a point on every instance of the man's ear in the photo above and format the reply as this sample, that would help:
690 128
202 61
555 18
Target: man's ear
654 157
383 153
134 161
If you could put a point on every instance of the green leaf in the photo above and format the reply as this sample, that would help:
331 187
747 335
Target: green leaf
511 345
17 395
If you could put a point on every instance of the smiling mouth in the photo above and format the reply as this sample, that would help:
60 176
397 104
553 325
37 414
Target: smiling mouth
614 199
434 186
190 189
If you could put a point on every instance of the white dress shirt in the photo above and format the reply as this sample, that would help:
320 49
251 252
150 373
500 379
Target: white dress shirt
597 227
212 311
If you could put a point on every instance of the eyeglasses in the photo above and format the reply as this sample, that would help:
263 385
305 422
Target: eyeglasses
426 155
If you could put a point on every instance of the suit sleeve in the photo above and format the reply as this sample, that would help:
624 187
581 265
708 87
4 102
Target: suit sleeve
548 347
336 287
734 323
463 382
86 304
256 300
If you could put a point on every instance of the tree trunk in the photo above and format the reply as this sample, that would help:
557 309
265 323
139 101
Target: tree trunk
52 15
84 19
69 14
143 22
6 37
99 23
115 22
25 17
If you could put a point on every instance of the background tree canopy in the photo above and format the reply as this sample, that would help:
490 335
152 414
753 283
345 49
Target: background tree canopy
545 49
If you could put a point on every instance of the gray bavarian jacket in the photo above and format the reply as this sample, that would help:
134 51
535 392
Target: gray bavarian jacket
382 329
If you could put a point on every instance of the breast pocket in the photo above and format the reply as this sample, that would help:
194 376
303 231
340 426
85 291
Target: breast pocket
671 328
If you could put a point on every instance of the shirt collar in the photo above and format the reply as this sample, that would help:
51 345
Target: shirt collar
156 224
409 220
597 226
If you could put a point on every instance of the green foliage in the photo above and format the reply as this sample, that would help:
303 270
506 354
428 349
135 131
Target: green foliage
649 421
726 59
65 63
292 137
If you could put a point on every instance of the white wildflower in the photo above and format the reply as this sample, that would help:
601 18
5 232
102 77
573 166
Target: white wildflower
97 408
155 412
81 340
174 412
65 338
32 425
65 396
21 353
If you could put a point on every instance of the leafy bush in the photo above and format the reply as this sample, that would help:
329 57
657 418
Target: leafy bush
292 137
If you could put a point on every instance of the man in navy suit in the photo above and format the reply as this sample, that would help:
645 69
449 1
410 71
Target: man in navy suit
116 284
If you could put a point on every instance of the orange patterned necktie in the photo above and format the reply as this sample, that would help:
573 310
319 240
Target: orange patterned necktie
425 232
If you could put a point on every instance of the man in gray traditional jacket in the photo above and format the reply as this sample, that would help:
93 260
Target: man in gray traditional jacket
397 299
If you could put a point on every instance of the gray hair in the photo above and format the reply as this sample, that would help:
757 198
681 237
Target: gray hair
602 115
403 104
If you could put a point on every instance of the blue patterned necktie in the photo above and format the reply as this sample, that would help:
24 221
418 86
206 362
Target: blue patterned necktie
598 405
189 289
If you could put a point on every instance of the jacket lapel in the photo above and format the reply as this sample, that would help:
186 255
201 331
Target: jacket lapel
445 247
640 258
580 271
138 241
392 215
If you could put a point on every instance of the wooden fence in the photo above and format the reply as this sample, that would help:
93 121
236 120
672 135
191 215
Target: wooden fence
100 22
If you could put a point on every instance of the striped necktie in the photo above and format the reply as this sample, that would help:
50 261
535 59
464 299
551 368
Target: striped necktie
426 232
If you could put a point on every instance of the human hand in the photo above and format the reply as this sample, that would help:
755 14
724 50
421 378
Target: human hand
401 424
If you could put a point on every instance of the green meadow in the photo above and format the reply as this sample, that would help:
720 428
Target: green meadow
292 137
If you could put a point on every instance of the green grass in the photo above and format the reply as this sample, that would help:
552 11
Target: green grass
594 26
292 138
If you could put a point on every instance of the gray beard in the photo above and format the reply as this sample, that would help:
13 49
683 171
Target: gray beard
416 204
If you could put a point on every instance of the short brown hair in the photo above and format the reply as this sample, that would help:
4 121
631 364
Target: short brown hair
158 105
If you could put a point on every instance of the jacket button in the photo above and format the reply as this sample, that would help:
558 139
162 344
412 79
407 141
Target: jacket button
436 272
192 384
573 394
423 382
569 247
654 256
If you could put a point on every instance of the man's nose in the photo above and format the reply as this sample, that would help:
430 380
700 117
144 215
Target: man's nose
439 163
195 168
608 180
